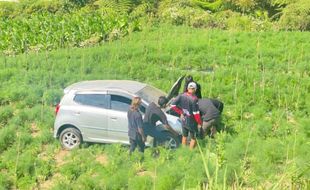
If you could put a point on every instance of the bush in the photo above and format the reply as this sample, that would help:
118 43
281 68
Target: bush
6 181
6 112
296 16
140 182
7 137
240 23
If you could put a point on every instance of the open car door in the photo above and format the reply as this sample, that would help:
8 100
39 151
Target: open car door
174 91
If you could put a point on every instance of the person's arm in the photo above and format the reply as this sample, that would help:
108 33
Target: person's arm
139 123
164 120
174 106
196 113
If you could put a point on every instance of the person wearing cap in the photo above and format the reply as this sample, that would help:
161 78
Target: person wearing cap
186 105
189 79
153 114
135 126
210 110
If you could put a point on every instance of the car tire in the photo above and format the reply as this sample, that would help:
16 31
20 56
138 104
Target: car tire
70 138
170 142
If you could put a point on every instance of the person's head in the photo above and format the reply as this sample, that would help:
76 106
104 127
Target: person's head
135 103
191 87
162 101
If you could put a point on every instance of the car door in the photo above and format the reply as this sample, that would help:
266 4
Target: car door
117 118
92 115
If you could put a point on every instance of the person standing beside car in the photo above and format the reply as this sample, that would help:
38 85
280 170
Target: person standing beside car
186 105
153 114
135 126
210 110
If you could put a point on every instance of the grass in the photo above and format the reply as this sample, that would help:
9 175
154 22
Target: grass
262 77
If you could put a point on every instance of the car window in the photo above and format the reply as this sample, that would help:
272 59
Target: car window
120 103
142 108
96 100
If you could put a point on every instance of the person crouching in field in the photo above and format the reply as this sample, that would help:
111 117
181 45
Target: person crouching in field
210 110
186 105
135 126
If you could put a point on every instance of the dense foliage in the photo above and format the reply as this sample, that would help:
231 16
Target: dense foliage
262 77
34 25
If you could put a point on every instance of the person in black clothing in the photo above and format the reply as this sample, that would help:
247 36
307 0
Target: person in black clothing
210 110
189 79
186 105
135 126
153 114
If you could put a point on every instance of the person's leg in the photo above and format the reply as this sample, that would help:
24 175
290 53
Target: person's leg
155 133
207 126
184 135
192 143
193 135
214 125
141 144
147 129
133 145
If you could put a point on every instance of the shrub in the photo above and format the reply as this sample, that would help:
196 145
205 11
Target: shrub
7 137
240 23
296 16
6 112
140 182
6 181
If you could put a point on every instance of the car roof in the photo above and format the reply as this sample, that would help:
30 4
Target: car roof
125 85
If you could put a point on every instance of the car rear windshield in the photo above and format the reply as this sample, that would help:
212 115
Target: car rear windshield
150 94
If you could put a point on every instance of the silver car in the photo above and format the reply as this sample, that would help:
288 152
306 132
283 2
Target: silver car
96 111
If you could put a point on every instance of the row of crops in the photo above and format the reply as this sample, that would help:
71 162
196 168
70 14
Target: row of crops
48 31
33 26
263 78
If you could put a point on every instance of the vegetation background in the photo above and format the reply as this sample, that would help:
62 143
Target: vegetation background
251 54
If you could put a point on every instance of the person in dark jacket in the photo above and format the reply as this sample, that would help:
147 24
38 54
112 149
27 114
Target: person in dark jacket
186 105
154 114
210 110
135 126
189 79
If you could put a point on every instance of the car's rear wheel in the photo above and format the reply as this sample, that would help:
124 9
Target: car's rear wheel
70 138
170 141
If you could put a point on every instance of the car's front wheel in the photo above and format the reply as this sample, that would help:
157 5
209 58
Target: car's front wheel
170 141
70 138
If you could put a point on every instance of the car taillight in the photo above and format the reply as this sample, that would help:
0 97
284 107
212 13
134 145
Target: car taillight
57 109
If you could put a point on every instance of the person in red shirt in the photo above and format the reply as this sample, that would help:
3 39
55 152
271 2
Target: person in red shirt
186 105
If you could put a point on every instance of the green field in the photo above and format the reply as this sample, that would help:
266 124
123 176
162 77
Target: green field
263 78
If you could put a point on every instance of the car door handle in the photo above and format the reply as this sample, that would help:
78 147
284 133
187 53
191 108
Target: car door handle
77 113
114 118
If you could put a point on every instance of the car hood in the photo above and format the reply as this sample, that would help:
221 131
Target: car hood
174 91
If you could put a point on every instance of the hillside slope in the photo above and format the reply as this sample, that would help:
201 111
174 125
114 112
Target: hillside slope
262 77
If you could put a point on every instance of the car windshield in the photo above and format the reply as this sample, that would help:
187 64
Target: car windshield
150 94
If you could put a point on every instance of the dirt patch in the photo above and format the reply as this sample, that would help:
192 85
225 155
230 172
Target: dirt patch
60 157
35 131
44 155
146 173
102 159
49 183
